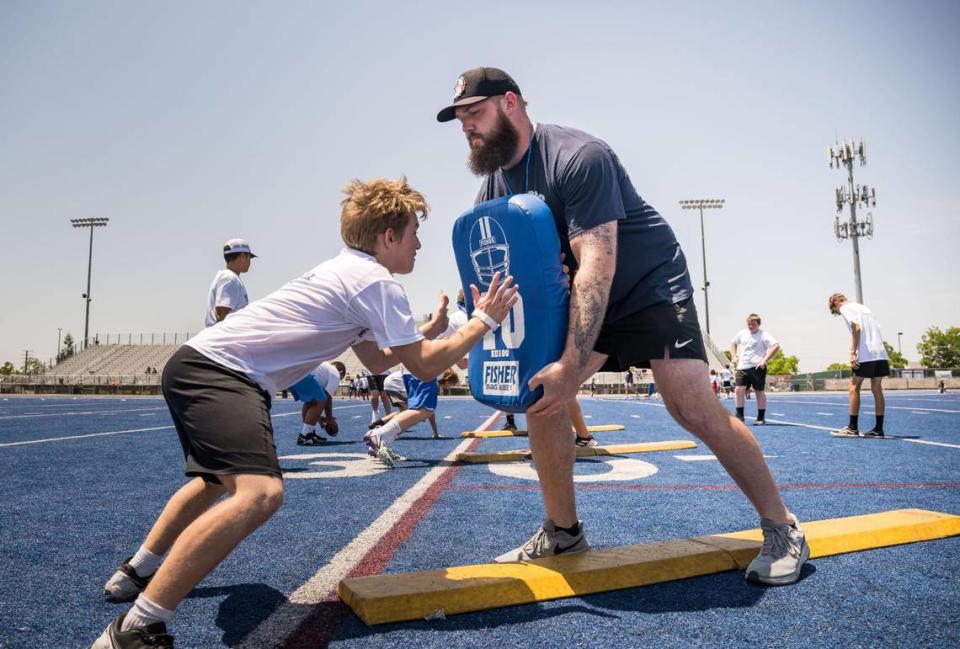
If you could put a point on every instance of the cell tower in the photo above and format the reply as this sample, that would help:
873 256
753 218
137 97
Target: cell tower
842 155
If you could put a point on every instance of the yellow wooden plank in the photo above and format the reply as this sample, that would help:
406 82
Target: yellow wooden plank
600 428
589 451
412 596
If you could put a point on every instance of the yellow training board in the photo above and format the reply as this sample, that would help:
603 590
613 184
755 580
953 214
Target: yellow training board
413 596
602 428
589 451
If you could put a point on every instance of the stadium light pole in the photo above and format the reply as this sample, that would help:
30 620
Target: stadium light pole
899 335
94 222
704 204
57 355
843 155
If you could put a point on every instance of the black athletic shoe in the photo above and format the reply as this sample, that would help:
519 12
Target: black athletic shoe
310 439
509 426
375 424
872 433
125 584
149 637
760 422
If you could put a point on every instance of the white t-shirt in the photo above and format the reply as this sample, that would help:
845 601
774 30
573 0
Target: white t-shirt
726 375
752 348
226 290
871 340
329 377
394 382
281 338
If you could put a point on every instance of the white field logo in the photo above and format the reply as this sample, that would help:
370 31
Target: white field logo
501 378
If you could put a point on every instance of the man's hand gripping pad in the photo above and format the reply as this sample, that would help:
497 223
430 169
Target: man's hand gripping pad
515 235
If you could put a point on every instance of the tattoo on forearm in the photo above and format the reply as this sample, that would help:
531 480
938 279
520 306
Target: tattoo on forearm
591 291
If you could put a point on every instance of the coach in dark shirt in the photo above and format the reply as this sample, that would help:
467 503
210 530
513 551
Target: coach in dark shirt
630 305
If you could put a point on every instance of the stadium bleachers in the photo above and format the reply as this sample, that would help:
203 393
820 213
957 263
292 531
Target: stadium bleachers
113 361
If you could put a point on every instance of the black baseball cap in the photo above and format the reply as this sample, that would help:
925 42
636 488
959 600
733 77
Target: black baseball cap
476 85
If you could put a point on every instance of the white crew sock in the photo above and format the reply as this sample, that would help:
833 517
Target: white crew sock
374 414
144 613
145 562
389 432
309 428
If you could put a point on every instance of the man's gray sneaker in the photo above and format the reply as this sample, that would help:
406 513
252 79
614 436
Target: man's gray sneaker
783 554
125 584
150 637
547 542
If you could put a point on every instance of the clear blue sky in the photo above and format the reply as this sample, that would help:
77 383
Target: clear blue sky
188 123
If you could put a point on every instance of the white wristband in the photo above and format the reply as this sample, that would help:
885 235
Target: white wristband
485 318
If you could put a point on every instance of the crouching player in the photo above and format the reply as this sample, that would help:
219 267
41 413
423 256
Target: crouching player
316 391
219 384
422 406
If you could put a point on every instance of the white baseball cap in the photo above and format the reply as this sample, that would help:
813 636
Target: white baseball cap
237 245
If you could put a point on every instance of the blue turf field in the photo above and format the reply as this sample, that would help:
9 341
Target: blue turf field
84 478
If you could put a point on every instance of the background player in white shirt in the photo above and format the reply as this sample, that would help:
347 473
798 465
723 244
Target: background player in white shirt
751 350
218 388
227 292
868 360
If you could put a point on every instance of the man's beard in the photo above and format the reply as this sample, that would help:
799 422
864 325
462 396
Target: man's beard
496 148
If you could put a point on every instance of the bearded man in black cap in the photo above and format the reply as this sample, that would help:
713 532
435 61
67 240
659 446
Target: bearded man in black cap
631 304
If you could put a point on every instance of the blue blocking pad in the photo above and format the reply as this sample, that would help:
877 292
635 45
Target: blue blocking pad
514 235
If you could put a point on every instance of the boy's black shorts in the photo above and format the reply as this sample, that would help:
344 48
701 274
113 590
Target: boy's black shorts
222 418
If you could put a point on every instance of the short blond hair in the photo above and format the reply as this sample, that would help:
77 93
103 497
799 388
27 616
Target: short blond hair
374 206
753 317
835 300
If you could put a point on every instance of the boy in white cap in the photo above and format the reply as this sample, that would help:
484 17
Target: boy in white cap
227 292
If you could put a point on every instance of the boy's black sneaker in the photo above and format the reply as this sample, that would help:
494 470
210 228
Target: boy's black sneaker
310 439
149 637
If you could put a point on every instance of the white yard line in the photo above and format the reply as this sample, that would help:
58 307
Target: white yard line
866 398
915 441
794 423
63 439
92 412
121 432
276 629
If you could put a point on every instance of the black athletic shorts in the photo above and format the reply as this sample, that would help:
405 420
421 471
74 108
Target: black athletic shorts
222 418
657 332
752 377
375 381
873 369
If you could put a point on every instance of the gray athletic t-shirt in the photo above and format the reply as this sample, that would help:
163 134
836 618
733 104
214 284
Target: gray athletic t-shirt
583 182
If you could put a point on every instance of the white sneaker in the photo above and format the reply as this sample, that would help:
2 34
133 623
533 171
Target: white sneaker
783 554
377 449
548 541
